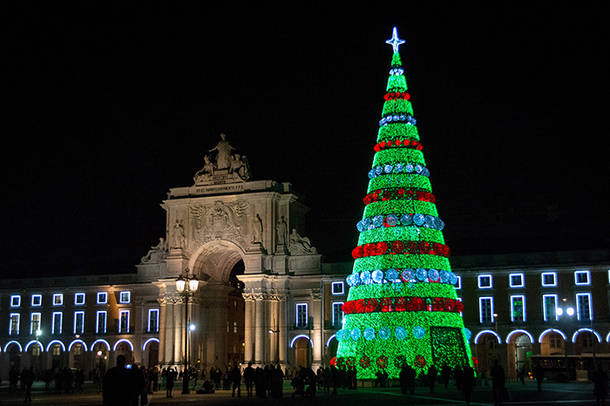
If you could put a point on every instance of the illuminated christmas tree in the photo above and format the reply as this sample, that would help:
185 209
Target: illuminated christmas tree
402 305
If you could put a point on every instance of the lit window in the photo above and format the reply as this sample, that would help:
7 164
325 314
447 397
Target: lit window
153 320
36 300
485 281
56 322
516 280
79 322
337 288
124 321
549 279
301 315
34 323
15 300
458 285
584 310
79 299
549 307
125 297
58 299
337 314
486 310
100 322
13 324
102 297
582 278
517 308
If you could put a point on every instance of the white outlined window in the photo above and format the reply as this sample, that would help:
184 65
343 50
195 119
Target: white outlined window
36 300
79 299
549 307
337 315
486 310
125 297
301 315
58 299
517 308
485 281
337 288
100 322
34 322
15 300
582 278
79 322
153 320
56 322
584 308
13 324
548 278
124 321
516 280
102 297
458 284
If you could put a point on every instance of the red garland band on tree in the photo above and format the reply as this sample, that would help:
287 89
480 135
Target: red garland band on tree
403 304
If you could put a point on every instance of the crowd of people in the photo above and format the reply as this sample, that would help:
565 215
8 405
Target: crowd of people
131 384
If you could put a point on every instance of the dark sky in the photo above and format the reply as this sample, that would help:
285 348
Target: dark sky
108 106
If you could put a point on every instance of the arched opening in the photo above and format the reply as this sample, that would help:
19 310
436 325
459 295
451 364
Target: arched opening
585 343
331 349
13 350
33 354
150 349
123 348
552 343
520 350
100 354
486 347
218 314
302 352
56 354
77 355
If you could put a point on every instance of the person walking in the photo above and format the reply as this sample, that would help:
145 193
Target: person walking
236 380
277 381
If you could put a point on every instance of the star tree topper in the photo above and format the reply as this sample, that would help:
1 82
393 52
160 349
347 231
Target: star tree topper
395 41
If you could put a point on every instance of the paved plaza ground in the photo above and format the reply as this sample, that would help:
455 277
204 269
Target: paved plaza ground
575 393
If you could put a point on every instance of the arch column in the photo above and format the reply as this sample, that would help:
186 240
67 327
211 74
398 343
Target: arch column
249 328
259 343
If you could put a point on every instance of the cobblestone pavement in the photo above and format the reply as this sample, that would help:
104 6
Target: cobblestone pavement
522 395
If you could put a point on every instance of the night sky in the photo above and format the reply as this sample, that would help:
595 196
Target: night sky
107 107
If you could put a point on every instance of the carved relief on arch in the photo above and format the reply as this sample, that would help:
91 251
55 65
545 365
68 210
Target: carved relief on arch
220 220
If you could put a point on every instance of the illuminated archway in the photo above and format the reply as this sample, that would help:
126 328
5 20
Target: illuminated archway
13 342
520 331
587 330
301 336
50 344
122 340
551 330
27 346
77 341
156 340
483 332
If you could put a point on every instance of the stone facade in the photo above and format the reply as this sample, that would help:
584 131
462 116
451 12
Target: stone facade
265 295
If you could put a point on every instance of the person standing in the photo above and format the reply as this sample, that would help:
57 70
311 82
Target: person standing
249 378
539 375
600 386
497 383
119 385
236 379
432 377
27 379
170 379
467 382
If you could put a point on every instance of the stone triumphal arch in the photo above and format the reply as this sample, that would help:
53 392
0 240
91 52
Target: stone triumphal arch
244 240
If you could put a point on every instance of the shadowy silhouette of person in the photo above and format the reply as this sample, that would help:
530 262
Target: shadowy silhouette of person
497 383
467 382
119 386
27 379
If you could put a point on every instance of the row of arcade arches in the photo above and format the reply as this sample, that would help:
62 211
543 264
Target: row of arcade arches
97 355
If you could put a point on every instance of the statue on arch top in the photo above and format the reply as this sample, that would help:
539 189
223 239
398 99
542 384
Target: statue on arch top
223 166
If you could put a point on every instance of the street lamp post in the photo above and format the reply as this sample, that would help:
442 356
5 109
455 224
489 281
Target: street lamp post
186 285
